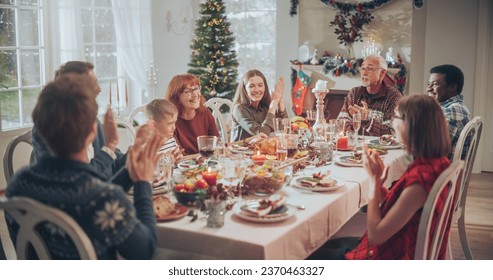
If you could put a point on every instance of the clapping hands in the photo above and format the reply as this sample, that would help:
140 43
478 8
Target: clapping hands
142 156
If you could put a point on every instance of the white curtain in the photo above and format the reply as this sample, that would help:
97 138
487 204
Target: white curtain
134 45
70 35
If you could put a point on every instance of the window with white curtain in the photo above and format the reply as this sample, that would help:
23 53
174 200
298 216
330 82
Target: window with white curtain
21 60
99 41
254 25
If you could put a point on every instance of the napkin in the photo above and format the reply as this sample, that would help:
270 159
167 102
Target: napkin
268 205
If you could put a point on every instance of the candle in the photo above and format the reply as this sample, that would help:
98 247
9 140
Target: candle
342 143
210 177
110 93
126 94
258 158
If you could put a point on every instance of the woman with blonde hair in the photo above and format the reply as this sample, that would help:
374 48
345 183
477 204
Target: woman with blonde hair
194 119
254 108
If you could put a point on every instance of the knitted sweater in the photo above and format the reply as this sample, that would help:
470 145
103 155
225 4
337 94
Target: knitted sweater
102 209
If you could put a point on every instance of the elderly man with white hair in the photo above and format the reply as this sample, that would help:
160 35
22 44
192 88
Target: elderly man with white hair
375 100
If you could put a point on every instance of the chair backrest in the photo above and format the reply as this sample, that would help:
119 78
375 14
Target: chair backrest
468 139
223 119
29 213
8 156
137 110
126 135
437 213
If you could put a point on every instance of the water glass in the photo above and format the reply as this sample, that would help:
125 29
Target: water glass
330 130
352 138
282 126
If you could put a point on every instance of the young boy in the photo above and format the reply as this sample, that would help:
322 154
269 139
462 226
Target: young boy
162 114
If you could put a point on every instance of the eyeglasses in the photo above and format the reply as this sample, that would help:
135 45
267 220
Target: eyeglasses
189 91
369 69
398 117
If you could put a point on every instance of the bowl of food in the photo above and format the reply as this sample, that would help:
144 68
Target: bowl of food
186 191
268 178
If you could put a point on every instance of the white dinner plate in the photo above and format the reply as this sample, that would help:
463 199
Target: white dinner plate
339 184
264 219
188 164
394 145
240 150
343 161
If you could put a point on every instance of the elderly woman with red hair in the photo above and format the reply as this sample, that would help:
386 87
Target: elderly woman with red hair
194 119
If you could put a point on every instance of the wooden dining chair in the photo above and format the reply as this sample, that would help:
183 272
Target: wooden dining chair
223 119
436 217
466 149
8 156
126 133
29 213
138 112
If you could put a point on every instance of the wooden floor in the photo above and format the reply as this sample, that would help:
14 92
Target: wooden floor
479 221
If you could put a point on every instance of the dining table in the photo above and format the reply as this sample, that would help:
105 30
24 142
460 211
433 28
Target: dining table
314 218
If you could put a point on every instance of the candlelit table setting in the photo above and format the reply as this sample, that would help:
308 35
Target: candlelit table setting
291 233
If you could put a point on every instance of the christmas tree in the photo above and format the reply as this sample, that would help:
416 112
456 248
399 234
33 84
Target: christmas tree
213 58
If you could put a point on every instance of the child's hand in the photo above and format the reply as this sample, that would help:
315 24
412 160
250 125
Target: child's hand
176 154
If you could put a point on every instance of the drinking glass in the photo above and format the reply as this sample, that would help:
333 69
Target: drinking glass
163 171
282 126
207 145
311 117
233 168
357 121
340 127
330 130
281 148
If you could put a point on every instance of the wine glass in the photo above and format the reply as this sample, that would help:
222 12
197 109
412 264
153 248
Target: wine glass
282 148
207 145
311 117
233 168
357 123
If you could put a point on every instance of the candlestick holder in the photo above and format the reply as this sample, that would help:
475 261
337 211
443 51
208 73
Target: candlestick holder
152 78
319 126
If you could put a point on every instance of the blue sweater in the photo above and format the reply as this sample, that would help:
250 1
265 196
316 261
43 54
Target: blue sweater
101 208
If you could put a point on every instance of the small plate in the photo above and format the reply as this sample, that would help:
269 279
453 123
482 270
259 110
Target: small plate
188 164
343 161
179 212
394 145
254 205
265 219
339 184
240 150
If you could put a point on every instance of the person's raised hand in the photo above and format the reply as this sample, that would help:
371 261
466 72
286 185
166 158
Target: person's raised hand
363 109
143 158
109 130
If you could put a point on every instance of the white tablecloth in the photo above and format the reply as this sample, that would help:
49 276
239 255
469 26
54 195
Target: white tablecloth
295 238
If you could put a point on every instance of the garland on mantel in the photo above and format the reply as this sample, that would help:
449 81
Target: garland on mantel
348 7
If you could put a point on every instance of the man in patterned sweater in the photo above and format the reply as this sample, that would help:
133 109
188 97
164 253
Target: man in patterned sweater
65 117
375 100
445 84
